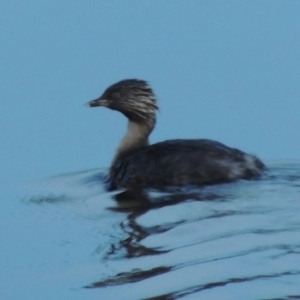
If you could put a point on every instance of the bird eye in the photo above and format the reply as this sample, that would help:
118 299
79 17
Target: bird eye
116 96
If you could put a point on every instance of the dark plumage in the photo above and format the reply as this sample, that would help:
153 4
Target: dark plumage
139 165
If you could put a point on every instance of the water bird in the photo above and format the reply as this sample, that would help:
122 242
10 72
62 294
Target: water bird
181 162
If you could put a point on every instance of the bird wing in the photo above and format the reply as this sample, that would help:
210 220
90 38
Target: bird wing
175 162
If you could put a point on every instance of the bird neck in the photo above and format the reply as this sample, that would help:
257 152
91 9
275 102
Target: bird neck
136 137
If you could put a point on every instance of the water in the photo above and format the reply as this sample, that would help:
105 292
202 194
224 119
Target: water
66 238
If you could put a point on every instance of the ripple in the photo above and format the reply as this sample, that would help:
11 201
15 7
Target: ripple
230 241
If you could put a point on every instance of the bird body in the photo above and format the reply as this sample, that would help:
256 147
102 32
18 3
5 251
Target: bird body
138 165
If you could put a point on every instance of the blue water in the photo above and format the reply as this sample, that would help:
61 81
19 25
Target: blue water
67 238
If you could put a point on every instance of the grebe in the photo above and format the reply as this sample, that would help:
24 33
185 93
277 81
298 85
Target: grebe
138 165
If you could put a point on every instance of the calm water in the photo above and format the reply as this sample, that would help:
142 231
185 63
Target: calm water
66 238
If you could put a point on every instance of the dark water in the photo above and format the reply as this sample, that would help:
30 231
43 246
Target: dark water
69 239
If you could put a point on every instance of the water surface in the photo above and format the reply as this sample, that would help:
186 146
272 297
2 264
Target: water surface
67 238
